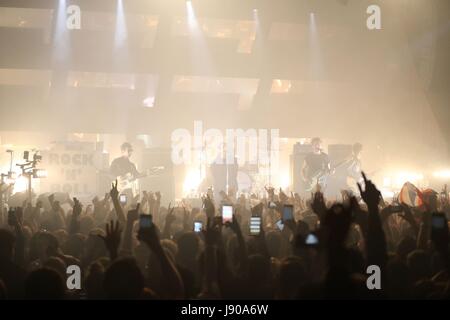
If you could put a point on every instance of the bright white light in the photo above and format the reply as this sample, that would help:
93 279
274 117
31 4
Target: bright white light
316 64
284 180
192 21
40 173
443 174
387 193
312 21
121 27
149 102
406 176
192 181
60 36
21 184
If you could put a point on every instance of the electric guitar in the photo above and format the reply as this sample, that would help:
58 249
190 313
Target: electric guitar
320 178
317 179
130 181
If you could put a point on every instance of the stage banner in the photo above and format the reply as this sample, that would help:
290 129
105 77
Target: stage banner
72 167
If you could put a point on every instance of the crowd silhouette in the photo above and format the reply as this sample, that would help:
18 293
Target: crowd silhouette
121 259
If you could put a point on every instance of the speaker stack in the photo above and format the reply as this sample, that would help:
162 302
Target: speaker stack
296 161
338 153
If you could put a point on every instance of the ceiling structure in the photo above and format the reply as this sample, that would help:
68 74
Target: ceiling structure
256 63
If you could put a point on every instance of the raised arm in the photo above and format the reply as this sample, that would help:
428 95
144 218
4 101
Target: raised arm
132 216
74 225
156 207
318 205
242 247
173 285
210 281
114 193
170 218
376 241
112 239
19 254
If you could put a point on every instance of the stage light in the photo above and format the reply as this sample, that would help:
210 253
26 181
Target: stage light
192 20
149 102
316 64
21 184
442 174
60 34
386 193
394 180
192 181
198 52
40 173
121 27
285 180
312 24
400 177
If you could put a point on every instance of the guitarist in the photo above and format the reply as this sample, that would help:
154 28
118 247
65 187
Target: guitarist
316 166
122 167
347 173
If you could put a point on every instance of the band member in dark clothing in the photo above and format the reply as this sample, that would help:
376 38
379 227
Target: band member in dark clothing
316 166
125 170
347 174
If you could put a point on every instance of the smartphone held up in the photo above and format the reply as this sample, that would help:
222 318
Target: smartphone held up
145 221
227 213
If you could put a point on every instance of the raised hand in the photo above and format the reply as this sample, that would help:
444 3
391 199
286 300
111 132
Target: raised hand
371 195
144 196
283 197
170 217
114 193
112 238
186 218
151 198
209 206
318 204
133 214
270 192
77 208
